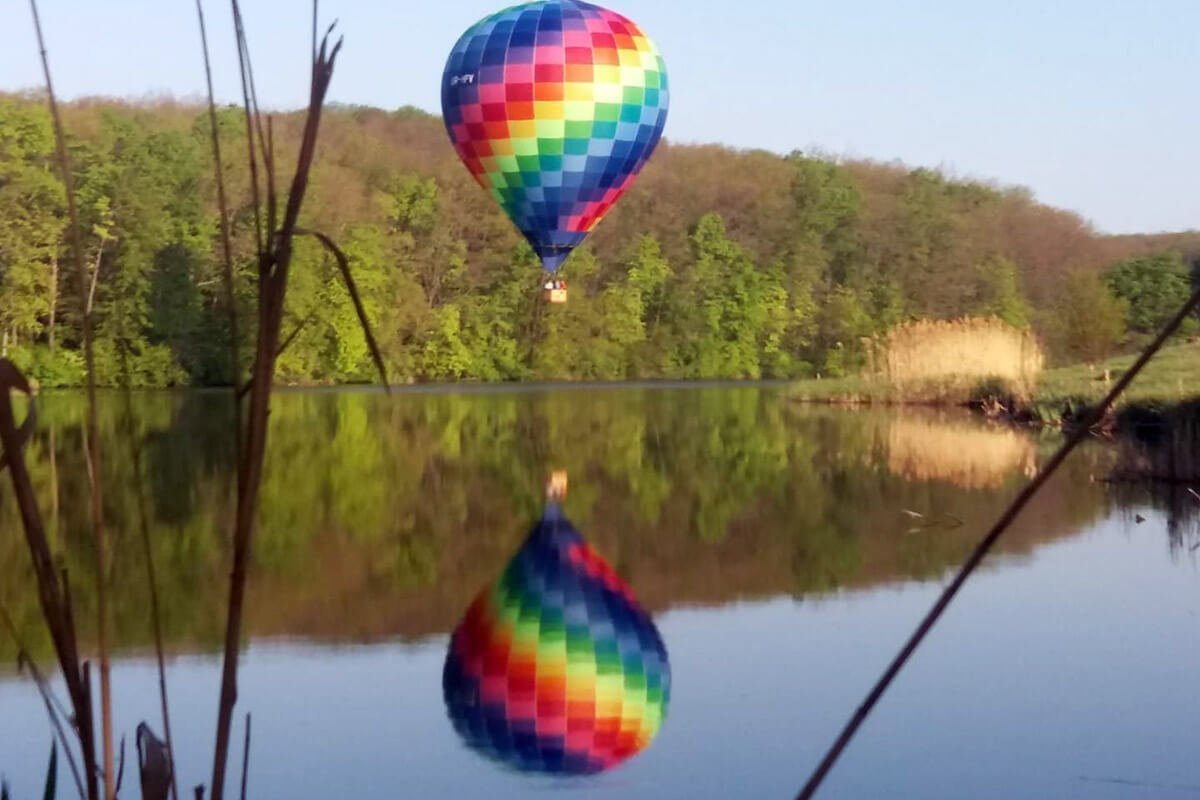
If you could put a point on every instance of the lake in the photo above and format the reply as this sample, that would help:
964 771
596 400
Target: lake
784 552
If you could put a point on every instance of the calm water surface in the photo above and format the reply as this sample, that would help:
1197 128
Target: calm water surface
784 551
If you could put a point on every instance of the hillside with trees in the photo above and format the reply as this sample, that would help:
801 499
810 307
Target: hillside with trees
719 263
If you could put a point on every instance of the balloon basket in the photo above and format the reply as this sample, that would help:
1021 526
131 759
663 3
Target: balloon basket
556 297
556 487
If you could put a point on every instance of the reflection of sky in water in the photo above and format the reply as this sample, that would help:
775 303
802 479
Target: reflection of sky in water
1079 663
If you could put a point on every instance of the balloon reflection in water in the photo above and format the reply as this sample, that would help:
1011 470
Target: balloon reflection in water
556 668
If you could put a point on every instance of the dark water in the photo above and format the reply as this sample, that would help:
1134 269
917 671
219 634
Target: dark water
784 552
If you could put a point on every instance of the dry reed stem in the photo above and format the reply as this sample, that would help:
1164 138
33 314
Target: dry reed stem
93 447
121 770
359 309
53 589
274 264
54 709
251 156
235 358
246 758
1074 439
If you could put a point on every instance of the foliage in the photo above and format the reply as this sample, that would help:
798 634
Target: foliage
717 264
1090 320
1153 288
1000 293
31 221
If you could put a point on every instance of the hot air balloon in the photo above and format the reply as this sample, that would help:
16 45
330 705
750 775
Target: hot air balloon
556 668
555 106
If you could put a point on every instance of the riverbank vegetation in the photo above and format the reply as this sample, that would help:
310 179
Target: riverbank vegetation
718 264
1173 376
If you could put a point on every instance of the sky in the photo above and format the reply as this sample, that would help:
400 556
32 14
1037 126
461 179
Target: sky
1091 104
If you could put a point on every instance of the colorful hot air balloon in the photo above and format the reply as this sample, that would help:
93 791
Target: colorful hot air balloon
556 668
555 106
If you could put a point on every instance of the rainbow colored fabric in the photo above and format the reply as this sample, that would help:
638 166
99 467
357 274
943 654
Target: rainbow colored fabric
556 668
555 106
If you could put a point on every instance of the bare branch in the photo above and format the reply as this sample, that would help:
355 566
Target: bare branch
359 308
235 359
251 156
53 594
91 298
83 715
274 262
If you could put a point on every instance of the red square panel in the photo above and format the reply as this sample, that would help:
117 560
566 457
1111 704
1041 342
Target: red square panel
496 130
494 112
520 92
579 55
548 72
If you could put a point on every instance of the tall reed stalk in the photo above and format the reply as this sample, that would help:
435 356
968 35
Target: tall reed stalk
59 608
276 227
275 234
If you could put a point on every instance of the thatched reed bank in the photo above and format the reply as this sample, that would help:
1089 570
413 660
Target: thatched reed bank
959 358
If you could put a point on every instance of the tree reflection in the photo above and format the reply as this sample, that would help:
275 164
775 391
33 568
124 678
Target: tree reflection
381 515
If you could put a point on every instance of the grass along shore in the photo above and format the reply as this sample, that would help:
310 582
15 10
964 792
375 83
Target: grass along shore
1171 378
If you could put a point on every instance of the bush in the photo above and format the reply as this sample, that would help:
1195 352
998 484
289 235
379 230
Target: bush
55 369
146 366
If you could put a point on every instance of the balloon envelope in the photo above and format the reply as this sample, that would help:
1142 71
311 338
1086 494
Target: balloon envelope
556 668
555 106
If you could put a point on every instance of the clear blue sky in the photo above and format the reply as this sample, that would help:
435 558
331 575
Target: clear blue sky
1093 104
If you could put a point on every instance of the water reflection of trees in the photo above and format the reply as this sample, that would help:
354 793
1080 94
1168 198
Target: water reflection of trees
383 516
1158 466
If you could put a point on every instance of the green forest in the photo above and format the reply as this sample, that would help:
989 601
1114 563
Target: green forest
719 263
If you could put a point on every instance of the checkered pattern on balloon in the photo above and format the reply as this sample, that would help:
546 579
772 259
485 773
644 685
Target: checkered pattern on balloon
555 106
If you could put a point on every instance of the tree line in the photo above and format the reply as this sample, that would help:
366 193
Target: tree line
719 263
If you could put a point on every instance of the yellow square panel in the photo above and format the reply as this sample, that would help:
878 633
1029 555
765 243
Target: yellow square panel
630 58
607 74
579 91
548 109
522 129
